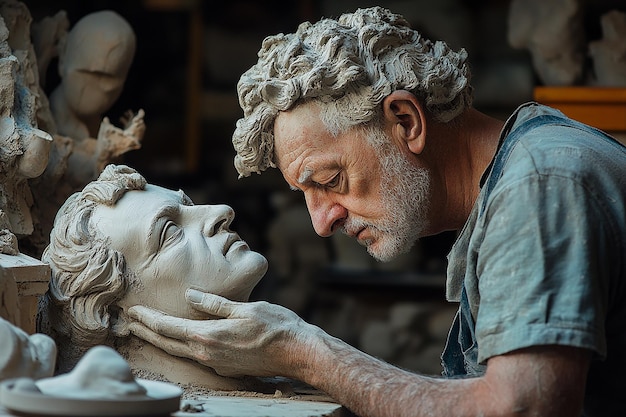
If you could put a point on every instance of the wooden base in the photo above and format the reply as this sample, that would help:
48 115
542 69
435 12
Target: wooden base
29 278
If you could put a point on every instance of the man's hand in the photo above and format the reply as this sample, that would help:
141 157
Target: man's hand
255 339
266 340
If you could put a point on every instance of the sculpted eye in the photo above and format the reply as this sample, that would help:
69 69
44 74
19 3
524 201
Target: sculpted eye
170 232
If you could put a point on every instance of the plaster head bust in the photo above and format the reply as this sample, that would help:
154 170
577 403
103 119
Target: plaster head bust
553 32
94 60
121 242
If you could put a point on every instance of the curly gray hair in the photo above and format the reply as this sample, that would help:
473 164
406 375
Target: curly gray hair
353 63
87 276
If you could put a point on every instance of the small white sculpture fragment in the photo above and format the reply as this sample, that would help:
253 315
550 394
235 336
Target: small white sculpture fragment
121 243
23 355
609 53
100 373
100 384
8 241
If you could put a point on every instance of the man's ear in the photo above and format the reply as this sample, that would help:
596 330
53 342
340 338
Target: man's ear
405 115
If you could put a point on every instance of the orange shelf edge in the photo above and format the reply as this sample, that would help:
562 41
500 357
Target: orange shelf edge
601 107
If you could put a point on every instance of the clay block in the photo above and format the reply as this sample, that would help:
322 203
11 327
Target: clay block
30 276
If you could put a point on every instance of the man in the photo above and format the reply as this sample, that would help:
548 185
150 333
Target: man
374 125
121 242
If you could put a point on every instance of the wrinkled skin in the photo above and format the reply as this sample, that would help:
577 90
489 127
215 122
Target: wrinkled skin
263 339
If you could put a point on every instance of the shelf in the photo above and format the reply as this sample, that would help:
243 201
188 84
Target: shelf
601 107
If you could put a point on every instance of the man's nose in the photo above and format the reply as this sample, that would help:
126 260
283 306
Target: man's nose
326 215
216 218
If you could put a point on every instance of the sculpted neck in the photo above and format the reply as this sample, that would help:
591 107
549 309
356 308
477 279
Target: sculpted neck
68 122
150 362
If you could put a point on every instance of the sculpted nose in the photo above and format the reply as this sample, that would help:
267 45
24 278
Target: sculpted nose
216 218
326 215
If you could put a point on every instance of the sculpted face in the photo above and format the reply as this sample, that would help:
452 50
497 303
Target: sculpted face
171 245
89 91
98 55
381 202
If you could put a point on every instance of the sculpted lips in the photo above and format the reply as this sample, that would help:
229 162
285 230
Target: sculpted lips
231 239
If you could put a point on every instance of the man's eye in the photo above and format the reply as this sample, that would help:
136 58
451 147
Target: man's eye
334 182
170 231
331 184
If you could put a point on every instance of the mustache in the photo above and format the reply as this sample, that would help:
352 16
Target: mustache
352 226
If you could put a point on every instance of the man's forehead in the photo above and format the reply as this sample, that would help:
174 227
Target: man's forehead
296 132
305 112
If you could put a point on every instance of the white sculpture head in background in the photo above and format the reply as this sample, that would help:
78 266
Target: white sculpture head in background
94 61
121 242
553 32
609 53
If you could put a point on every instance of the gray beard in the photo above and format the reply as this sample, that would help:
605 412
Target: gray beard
405 191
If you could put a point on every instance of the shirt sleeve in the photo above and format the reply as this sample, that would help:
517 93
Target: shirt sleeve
541 277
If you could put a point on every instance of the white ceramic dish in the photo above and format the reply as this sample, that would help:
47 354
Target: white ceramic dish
161 399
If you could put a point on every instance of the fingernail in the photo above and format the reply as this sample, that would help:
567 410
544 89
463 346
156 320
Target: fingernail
194 296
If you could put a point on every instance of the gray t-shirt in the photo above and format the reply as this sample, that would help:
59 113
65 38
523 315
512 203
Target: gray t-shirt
542 259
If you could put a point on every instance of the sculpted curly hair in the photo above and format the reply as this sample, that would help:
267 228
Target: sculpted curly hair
351 63
87 276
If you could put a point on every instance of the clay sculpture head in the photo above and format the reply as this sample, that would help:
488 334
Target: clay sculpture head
121 242
94 60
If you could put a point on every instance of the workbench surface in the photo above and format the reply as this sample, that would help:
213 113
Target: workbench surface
221 406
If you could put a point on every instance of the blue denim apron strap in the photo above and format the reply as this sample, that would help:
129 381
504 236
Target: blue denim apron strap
511 139
460 356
